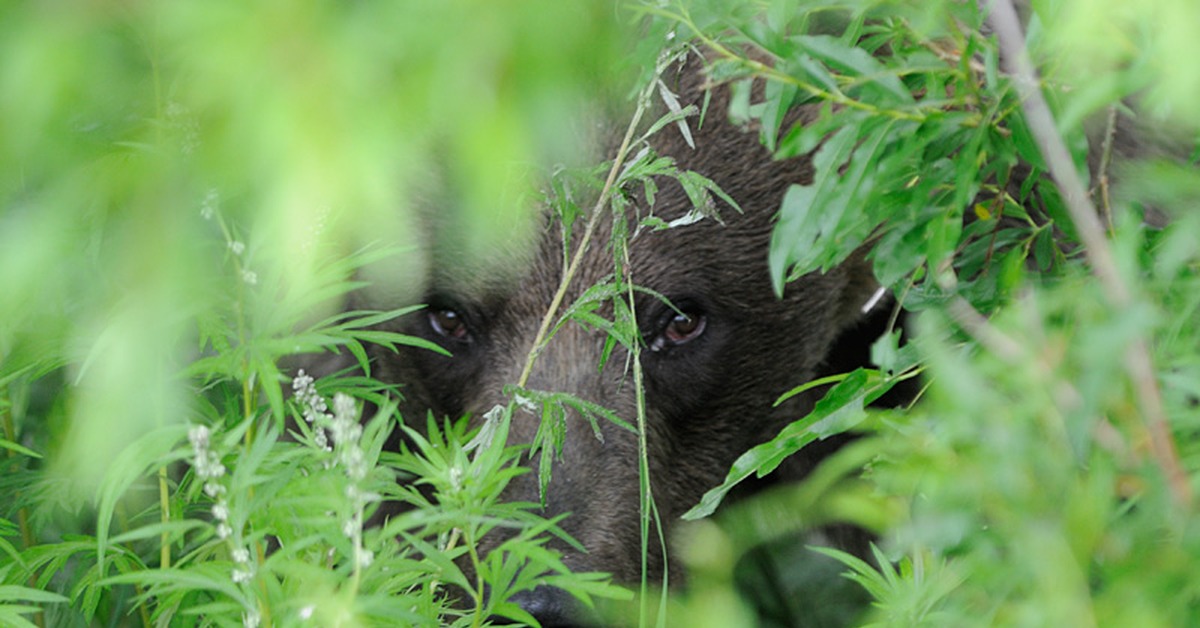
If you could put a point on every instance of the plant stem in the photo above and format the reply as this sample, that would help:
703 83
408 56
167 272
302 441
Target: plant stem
647 507
593 221
10 434
1110 133
479 584
450 543
165 508
27 540
1138 362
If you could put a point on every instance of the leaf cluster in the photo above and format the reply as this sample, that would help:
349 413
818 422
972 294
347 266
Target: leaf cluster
1032 481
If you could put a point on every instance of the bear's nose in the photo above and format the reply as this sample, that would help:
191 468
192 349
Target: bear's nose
553 607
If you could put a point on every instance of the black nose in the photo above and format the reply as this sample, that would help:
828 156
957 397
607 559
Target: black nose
553 607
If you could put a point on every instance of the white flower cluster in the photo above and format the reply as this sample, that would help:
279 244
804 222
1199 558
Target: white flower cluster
212 201
180 120
209 209
348 453
346 431
313 407
208 467
245 569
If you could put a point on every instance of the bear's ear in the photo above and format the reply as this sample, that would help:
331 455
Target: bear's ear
861 296
867 312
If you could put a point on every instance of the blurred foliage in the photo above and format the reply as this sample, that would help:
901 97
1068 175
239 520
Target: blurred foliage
189 190
310 127
1025 485
188 193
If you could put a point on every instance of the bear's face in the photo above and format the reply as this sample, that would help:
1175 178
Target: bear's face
713 365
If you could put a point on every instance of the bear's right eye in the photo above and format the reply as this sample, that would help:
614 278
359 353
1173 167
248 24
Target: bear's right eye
684 328
679 327
449 323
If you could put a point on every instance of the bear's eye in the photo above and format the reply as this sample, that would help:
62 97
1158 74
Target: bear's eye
679 328
684 327
449 323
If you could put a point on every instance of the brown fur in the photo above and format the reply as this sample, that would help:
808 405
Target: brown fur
708 401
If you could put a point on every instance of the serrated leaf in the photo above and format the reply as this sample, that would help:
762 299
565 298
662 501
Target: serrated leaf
446 568
212 576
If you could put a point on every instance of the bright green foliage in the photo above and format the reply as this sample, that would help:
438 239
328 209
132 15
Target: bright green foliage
1031 483
189 190
188 193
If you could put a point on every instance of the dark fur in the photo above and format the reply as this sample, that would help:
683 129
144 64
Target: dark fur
708 401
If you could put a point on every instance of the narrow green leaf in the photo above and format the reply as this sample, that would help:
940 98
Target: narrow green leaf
25 451
840 409
13 592
854 61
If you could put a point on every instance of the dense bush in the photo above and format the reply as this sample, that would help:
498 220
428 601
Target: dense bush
190 190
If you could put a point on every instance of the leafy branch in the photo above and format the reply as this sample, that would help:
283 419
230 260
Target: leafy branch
1138 364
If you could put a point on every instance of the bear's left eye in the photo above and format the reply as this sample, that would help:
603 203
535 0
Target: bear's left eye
679 327
449 323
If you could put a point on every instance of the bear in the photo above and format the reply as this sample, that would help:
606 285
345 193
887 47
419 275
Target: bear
716 353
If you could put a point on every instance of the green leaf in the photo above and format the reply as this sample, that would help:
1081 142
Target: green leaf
900 251
839 410
822 223
446 568
778 100
173 528
11 446
12 593
136 460
854 62
10 615
211 576
1025 143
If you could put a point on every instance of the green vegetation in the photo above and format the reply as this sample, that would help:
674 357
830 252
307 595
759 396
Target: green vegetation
188 192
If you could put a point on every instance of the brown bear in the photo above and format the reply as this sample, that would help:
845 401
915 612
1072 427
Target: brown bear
713 364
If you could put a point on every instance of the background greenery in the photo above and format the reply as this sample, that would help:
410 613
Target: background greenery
188 189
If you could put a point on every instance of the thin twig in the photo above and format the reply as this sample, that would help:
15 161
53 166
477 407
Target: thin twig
973 321
164 502
976 324
1110 133
573 268
648 507
8 425
1138 362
